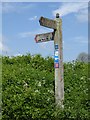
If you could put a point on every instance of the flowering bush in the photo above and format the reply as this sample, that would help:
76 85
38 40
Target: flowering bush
28 89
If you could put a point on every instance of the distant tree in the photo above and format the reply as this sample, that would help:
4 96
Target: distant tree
82 57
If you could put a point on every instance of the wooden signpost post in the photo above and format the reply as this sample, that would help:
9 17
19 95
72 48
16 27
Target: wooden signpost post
58 53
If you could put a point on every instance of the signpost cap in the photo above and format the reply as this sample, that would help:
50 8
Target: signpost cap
57 15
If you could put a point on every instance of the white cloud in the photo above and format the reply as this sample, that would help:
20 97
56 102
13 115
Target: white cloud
82 16
6 7
33 18
26 34
43 45
0 7
45 0
33 33
80 10
81 40
18 7
48 46
3 47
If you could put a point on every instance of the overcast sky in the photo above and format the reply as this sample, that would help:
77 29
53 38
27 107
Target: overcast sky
20 24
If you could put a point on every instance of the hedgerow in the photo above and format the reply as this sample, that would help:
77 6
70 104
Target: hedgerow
28 89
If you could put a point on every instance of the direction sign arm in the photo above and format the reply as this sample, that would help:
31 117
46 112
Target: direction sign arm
44 37
47 22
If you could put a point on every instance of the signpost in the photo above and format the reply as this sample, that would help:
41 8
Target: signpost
44 37
58 53
59 80
48 23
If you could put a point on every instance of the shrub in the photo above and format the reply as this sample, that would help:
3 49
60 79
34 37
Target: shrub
28 89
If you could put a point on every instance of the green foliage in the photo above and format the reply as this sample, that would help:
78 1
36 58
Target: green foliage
28 89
